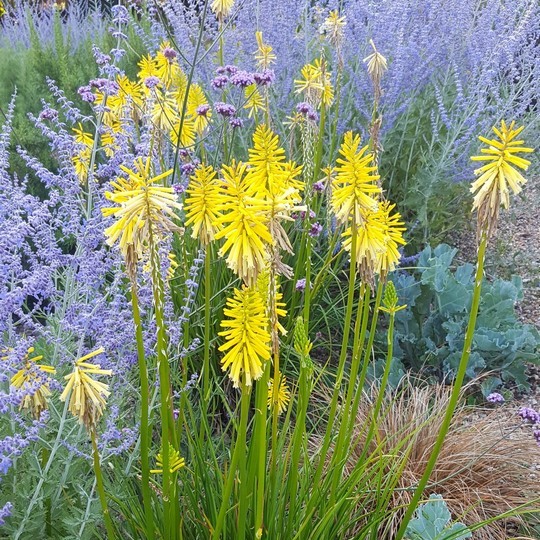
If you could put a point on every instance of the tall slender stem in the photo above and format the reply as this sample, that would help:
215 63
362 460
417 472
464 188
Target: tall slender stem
100 488
456 390
145 432
341 367
239 450
166 413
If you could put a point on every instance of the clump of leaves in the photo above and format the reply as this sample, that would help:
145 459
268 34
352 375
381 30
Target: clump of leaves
430 332
433 521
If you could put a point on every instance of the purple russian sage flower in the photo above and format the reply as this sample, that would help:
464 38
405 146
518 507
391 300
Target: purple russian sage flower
151 82
318 186
315 230
300 285
529 415
219 82
224 109
495 397
5 512
236 122
202 110
265 77
120 14
242 79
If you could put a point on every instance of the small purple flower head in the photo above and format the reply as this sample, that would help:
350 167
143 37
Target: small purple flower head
176 413
301 284
179 188
188 168
495 397
530 415
225 109
316 230
151 82
303 214
236 122
536 435
202 110
169 54
86 94
265 77
220 82
304 107
230 69
48 114
221 70
318 186
242 79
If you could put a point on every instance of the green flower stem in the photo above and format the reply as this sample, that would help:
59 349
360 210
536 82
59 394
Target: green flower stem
145 431
260 444
207 329
166 412
298 442
239 451
341 369
100 489
456 390
367 355
388 365
342 443
307 238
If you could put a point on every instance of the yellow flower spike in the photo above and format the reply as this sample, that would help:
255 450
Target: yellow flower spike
175 461
81 137
196 99
388 259
165 111
87 397
222 8
33 375
167 68
141 205
495 179
283 394
201 204
254 101
334 26
264 55
378 239
244 216
173 265
246 336
316 83
266 158
187 137
148 68
376 65
355 182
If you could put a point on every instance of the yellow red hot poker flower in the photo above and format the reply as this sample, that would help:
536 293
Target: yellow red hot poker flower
499 175
247 341
141 205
